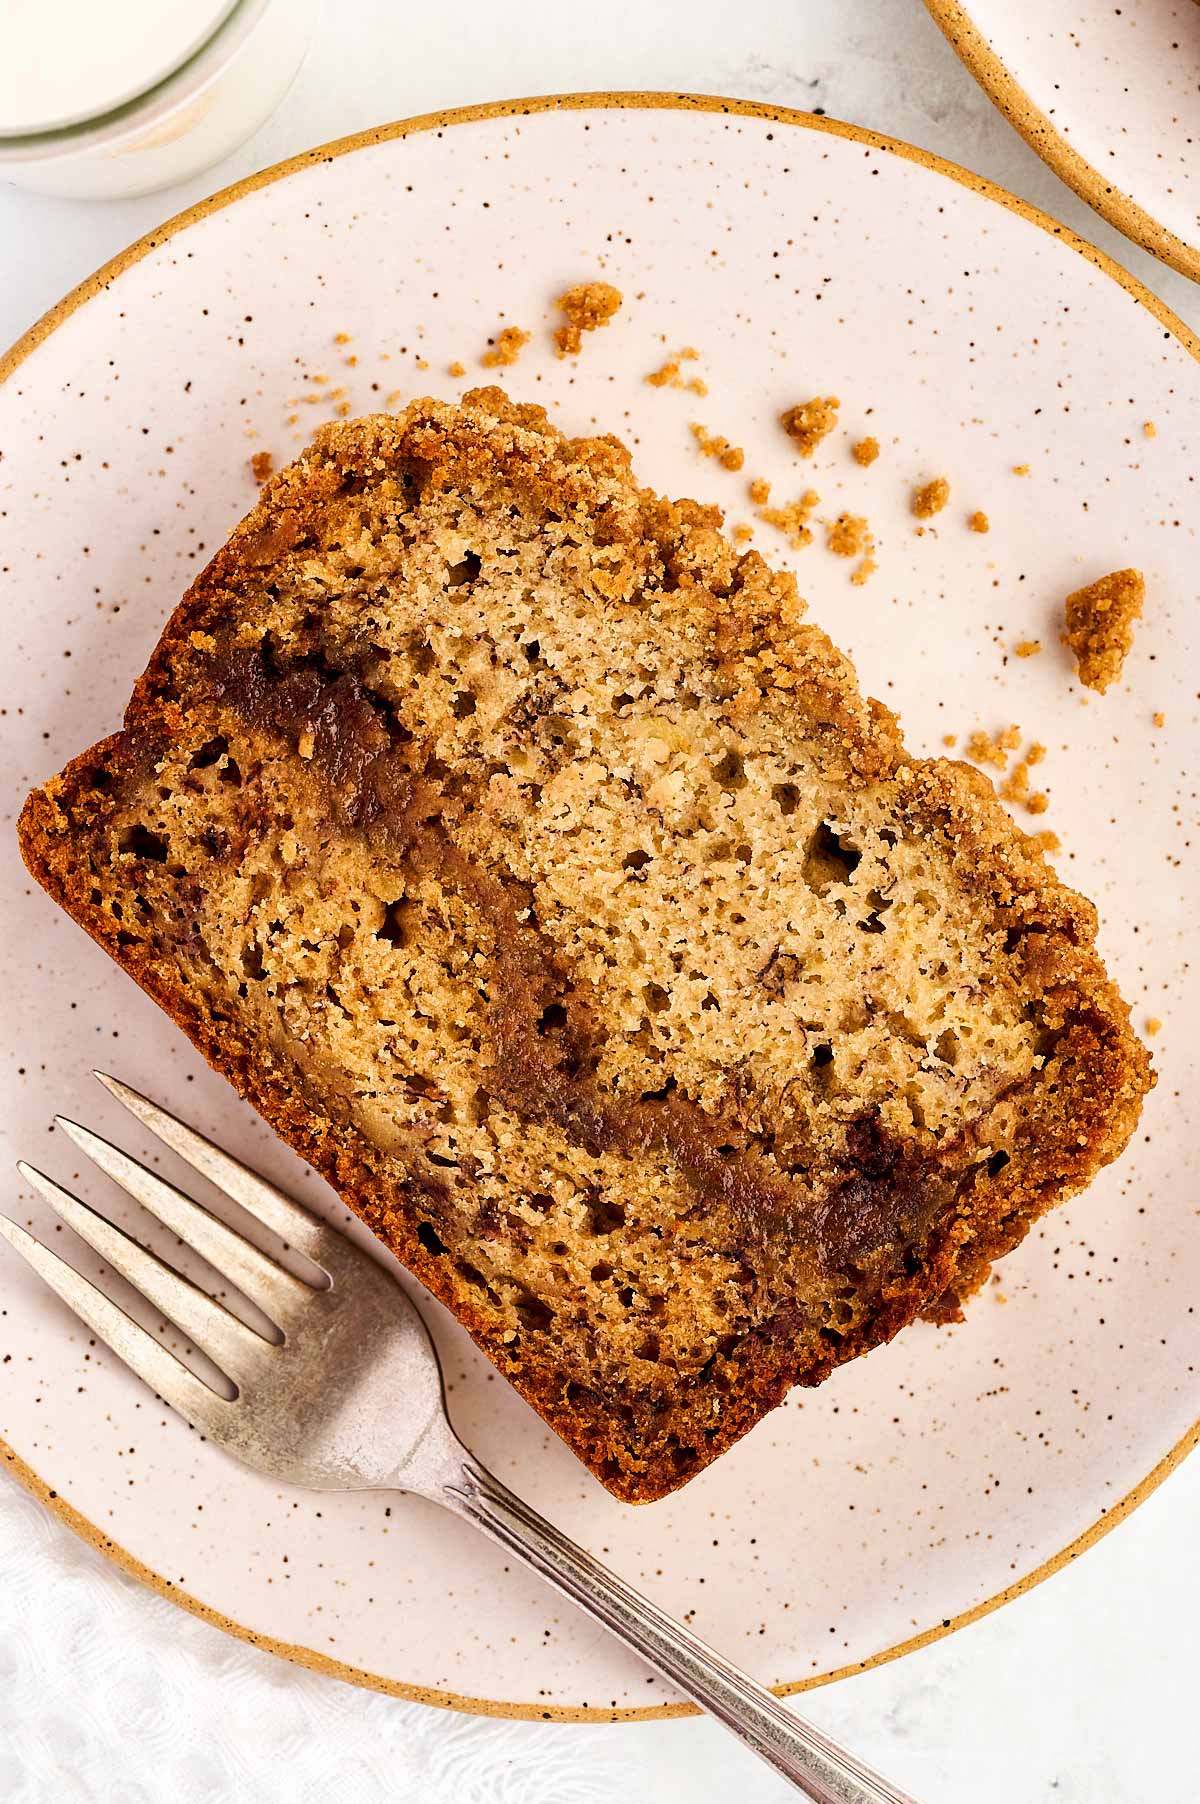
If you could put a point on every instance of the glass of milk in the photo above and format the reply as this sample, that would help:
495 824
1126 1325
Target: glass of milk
105 98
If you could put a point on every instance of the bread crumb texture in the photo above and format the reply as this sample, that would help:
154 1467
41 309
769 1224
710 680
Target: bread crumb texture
587 306
985 748
792 518
1099 621
730 457
1016 787
671 374
809 422
261 466
930 498
512 842
505 348
866 451
848 535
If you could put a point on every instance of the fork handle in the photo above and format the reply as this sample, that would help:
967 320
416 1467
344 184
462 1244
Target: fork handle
815 1765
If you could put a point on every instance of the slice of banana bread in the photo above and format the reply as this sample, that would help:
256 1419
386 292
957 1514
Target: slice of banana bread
506 837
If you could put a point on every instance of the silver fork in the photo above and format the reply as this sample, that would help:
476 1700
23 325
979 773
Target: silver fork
348 1396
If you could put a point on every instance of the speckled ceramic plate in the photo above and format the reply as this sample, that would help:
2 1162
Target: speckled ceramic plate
1109 96
974 340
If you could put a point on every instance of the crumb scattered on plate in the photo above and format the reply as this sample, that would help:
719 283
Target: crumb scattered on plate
1015 787
261 466
1149 429
506 347
730 457
930 498
1099 621
457 368
1153 1024
1159 718
760 491
1020 469
588 305
1027 648
792 519
979 521
993 749
866 451
848 536
670 374
986 748
809 422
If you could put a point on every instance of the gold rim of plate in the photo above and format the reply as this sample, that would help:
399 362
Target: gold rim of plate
1041 134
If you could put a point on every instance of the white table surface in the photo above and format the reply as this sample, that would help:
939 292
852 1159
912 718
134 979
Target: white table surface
1082 1692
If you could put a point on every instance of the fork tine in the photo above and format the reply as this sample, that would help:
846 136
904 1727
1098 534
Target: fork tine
203 1408
275 1291
228 1342
276 1210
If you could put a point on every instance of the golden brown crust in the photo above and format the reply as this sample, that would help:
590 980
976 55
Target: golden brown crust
273 717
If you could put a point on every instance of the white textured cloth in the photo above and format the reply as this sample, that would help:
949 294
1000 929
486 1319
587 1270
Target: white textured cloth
1080 1693
111 1695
